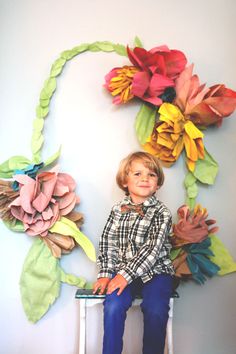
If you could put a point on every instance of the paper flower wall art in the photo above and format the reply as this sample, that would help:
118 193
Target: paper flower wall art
41 201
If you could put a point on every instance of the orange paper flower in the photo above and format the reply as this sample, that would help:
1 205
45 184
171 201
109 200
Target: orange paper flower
192 227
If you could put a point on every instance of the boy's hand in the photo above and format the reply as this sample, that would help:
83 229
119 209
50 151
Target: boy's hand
101 284
118 282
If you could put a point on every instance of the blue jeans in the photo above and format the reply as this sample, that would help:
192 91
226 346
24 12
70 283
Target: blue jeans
156 295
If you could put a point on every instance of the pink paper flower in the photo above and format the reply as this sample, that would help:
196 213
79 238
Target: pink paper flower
43 201
203 106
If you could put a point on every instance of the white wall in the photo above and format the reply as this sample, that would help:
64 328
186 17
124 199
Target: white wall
95 135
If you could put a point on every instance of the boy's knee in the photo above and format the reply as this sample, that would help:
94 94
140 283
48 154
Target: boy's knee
115 304
159 311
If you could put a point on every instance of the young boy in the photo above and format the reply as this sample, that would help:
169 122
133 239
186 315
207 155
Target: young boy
134 256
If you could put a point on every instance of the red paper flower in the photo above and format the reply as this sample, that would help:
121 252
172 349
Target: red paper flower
152 73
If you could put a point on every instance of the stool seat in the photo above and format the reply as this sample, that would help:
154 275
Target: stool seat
87 299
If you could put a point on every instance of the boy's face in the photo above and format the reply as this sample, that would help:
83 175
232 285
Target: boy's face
141 182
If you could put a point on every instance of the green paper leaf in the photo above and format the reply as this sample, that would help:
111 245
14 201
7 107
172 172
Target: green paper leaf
38 124
69 54
68 228
40 281
37 142
222 256
192 191
137 42
57 67
44 102
189 179
104 46
53 158
71 279
190 202
16 225
206 169
48 89
8 167
145 122
174 253
120 49
42 112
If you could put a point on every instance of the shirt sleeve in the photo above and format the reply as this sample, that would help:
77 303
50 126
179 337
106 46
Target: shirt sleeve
148 253
108 248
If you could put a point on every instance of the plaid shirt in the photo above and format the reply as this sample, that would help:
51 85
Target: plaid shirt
136 246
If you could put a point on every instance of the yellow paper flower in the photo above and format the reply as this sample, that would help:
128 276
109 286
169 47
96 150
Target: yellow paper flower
173 133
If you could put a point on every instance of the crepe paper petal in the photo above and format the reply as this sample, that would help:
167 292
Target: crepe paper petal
137 42
222 256
8 167
71 279
145 122
67 227
40 281
57 67
53 158
206 169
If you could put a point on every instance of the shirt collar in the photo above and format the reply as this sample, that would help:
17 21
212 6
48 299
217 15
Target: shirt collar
151 201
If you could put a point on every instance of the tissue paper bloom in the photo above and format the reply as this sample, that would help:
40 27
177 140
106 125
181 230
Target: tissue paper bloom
203 106
7 195
192 227
172 134
152 73
42 201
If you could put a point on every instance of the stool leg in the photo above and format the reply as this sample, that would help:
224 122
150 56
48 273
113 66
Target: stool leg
170 328
82 326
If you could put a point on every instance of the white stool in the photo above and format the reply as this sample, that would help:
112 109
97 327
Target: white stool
87 299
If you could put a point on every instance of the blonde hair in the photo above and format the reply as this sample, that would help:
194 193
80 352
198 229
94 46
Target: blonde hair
148 160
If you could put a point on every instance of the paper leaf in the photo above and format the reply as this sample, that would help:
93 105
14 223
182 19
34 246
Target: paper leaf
48 89
189 179
40 281
57 67
137 42
71 279
120 49
191 202
44 102
206 169
8 167
68 228
222 256
145 122
174 253
104 46
37 142
16 226
69 54
38 124
42 112
53 158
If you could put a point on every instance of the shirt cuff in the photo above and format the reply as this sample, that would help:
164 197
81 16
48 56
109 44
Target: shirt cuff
126 275
105 273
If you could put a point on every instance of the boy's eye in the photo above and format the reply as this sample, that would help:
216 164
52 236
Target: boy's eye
152 174
137 173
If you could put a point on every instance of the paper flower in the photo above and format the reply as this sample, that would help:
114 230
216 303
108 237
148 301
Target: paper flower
173 133
7 195
194 262
192 227
42 201
152 72
203 106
